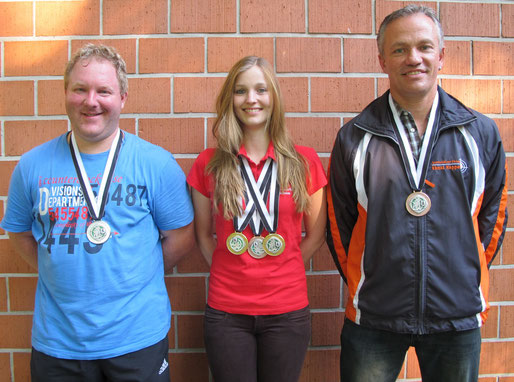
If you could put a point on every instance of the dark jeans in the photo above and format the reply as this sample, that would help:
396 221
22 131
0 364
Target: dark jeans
267 348
370 355
146 365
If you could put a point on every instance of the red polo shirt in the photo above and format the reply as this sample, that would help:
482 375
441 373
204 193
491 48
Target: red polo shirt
242 284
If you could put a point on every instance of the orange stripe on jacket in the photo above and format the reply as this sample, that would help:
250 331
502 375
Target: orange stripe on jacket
355 255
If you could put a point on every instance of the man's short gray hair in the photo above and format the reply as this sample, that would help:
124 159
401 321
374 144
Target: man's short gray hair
409 10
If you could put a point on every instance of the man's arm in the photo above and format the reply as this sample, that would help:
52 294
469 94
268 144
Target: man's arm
176 243
25 245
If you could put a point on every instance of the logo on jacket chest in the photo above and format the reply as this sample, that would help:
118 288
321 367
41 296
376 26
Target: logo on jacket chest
450 165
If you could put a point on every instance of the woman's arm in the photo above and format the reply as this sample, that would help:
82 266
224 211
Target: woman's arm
315 224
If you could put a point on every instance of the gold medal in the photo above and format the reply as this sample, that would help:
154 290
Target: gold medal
98 232
418 203
237 243
274 244
256 247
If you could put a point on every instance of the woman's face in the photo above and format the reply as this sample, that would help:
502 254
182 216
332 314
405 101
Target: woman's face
252 100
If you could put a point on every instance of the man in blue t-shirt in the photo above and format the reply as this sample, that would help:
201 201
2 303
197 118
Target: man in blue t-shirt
101 214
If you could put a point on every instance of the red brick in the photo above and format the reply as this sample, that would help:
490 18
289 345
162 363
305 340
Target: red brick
128 125
35 58
190 331
490 328
16 97
460 19
171 55
467 91
493 58
21 136
22 291
457 58
321 366
385 7
50 97
5 367
6 169
412 364
16 19
339 16
501 285
194 262
224 52
505 379
360 56
322 260
63 18
295 94
510 207
508 96
214 16
295 54
10 261
125 47
177 135
187 293
196 95
148 95
508 249
497 358
506 127
507 321
15 331
189 367
21 366
272 16
143 17
3 295
316 132
382 85
185 164
341 94
326 328
510 173
324 291
507 20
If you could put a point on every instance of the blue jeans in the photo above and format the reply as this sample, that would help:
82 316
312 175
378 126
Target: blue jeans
370 355
264 348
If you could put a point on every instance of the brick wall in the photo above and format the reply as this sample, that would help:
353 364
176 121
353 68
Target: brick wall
178 52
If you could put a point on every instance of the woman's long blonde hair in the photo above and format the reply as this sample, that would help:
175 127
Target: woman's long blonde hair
292 168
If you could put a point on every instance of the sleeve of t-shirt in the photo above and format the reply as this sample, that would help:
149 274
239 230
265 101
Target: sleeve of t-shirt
317 176
172 205
18 215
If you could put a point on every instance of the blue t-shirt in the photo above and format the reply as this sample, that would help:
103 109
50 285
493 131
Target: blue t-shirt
98 301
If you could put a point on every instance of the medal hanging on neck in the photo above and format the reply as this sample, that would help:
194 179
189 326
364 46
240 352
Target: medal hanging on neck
99 231
237 243
417 203
273 244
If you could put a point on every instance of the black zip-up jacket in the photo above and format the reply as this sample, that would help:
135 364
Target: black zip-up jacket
417 274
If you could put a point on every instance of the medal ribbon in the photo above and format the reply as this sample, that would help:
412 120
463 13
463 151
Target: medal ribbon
96 206
240 222
268 218
418 172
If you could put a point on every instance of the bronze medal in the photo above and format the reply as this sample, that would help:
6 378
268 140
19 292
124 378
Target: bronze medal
418 203
256 247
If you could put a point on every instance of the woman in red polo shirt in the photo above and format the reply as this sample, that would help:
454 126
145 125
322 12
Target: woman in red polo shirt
259 187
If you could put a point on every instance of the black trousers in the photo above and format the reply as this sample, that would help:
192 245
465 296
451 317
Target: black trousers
267 348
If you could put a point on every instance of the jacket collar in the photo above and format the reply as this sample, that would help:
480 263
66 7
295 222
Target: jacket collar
377 118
